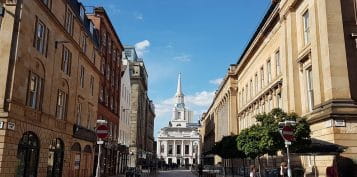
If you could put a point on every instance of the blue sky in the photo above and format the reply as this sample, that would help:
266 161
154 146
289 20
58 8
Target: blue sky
199 38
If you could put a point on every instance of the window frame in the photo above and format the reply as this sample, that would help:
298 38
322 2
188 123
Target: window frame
63 108
81 76
35 101
69 21
269 75
277 62
66 56
306 24
309 88
79 113
40 41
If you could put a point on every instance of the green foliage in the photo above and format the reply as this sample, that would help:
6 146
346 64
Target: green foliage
264 137
226 148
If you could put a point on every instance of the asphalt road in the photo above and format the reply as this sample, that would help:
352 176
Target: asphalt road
176 173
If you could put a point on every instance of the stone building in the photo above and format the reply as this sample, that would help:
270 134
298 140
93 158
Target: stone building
48 89
179 142
302 59
221 117
142 112
125 109
111 50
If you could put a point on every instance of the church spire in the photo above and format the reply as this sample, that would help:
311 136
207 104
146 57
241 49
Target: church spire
179 89
179 95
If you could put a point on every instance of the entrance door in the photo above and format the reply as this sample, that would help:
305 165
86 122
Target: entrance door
179 162
187 161
28 155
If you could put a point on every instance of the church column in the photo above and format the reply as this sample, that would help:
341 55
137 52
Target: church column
182 149
198 153
174 148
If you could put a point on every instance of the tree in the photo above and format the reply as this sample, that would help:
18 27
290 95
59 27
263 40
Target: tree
264 137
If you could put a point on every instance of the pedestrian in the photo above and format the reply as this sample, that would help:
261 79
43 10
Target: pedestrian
200 170
283 169
253 171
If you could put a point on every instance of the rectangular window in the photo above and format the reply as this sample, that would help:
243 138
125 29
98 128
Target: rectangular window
187 149
69 21
113 82
91 85
170 149
61 107
269 71
79 113
310 89
246 93
261 77
162 148
34 91
84 43
277 62
178 149
82 12
251 88
102 66
109 46
41 37
81 77
66 61
306 27
111 104
355 5
101 94
279 101
108 72
256 83
106 97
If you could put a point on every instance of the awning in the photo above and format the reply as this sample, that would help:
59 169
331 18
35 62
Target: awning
320 147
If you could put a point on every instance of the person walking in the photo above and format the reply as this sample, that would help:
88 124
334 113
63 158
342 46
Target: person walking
253 171
283 169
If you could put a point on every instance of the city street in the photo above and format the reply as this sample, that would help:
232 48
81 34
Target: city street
176 173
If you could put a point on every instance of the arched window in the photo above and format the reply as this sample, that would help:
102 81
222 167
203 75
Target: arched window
28 155
55 158
76 150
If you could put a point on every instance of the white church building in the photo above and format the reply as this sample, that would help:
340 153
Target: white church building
179 142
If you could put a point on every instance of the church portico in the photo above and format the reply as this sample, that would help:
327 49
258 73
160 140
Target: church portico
179 143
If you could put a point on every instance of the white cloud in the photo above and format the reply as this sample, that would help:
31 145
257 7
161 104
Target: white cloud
203 98
216 81
183 58
142 47
138 16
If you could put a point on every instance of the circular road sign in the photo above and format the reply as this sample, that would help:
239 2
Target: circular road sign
288 133
102 131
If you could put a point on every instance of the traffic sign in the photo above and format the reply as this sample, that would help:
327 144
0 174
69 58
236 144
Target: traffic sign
288 133
102 131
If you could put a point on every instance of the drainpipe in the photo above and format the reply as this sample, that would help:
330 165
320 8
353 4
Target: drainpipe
13 55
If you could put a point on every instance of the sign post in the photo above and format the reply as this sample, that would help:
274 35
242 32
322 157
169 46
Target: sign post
102 133
287 132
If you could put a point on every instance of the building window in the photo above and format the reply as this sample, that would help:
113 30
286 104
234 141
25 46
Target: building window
256 83
91 28
355 5
306 27
94 55
106 97
246 93
111 104
108 72
251 88
82 12
261 77
277 62
109 46
178 149
41 37
61 107
114 55
91 85
101 94
162 148
310 89
279 100
66 60
69 21
48 3
187 149
81 77
269 71
170 149
113 78
84 43
34 91
79 113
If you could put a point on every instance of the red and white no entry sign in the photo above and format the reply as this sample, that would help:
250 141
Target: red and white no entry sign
288 133
102 131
